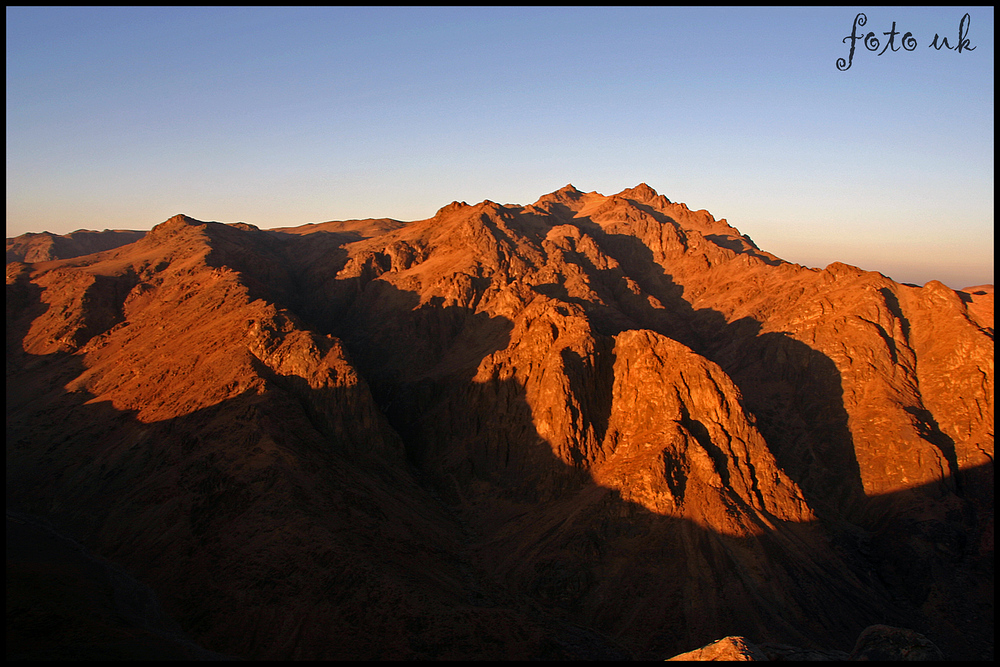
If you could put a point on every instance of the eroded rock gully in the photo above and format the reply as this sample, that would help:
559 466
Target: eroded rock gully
589 427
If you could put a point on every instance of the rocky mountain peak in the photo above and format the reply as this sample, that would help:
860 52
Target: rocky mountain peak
180 219
641 193
567 195
450 208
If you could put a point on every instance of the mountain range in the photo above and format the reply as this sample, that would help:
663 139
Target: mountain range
589 427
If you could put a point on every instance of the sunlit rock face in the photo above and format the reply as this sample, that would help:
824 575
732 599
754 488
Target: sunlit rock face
589 427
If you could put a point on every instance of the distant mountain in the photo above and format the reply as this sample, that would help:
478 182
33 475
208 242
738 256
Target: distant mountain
46 246
589 427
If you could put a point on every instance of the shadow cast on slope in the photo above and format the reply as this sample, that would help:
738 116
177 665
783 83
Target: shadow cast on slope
794 392
546 529
261 531
476 443
265 539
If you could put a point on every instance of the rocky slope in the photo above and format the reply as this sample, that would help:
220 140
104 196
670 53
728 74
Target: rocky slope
593 426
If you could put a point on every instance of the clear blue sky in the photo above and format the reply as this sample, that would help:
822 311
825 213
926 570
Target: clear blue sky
120 118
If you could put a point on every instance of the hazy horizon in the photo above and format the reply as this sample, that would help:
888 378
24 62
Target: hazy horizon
120 118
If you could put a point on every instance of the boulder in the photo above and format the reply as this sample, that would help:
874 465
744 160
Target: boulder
727 648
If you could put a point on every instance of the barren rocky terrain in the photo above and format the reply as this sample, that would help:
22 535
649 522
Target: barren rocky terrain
589 427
